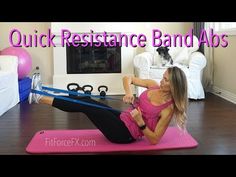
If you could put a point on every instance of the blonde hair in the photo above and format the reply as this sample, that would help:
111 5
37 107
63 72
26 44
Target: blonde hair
178 87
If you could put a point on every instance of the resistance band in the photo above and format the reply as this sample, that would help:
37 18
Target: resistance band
73 100
81 94
77 93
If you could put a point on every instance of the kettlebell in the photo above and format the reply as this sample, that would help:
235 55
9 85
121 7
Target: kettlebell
74 87
87 89
102 91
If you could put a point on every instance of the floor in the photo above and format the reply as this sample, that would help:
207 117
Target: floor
212 122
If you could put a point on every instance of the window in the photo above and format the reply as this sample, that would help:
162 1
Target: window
226 27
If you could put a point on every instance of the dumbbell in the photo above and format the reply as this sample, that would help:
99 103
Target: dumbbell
102 90
87 89
74 87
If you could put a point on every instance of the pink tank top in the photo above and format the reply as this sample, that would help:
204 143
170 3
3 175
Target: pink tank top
150 114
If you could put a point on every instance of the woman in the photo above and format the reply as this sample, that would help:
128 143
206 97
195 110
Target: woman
149 116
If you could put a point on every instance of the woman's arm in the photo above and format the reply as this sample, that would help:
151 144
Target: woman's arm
147 83
163 123
129 80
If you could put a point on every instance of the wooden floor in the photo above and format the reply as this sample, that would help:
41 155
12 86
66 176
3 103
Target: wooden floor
212 122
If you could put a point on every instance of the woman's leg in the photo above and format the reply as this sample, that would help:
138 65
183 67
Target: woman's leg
106 121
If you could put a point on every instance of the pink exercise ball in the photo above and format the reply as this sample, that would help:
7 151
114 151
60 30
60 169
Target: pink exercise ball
24 60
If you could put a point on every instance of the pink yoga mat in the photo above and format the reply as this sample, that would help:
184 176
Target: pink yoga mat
78 141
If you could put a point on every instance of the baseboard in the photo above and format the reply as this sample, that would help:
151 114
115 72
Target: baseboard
224 94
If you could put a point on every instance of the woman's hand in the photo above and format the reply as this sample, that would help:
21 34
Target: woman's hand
137 116
128 98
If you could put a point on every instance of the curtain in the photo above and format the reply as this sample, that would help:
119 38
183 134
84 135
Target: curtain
208 70
197 28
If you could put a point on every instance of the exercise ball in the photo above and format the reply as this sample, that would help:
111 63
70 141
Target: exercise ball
24 60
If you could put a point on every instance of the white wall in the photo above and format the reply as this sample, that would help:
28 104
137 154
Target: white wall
224 80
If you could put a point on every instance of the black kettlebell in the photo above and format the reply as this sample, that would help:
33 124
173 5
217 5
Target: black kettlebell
102 91
87 89
74 87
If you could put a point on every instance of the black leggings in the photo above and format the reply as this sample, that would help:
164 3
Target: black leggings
107 121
